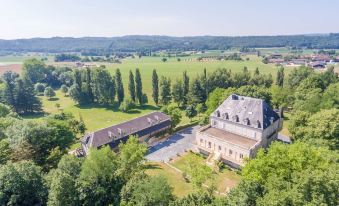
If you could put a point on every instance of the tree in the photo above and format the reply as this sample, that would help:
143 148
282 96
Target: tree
297 75
98 183
104 86
119 86
296 174
49 92
88 89
198 171
155 87
131 157
190 112
256 92
33 70
138 86
320 128
197 198
164 59
165 90
75 94
131 86
39 87
330 97
174 112
145 190
280 77
25 100
127 105
216 97
177 92
62 182
38 139
64 89
9 88
5 111
197 93
22 184
185 87
5 151
282 97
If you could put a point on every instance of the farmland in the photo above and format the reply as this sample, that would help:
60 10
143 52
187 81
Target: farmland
98 116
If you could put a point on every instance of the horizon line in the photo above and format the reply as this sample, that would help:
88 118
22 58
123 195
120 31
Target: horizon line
163 35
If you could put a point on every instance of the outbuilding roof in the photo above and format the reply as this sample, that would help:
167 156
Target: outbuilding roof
107 135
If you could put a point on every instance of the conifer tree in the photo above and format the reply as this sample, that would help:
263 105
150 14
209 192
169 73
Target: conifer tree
119 86
155 87
165 90
185 87
138 86
89 91
131 86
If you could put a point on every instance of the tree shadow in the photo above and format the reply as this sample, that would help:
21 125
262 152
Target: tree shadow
133 111
34 115
53 99
152 166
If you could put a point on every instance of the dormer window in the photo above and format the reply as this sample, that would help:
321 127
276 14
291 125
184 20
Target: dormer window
218 113
226 116
236 118
258 124
247 121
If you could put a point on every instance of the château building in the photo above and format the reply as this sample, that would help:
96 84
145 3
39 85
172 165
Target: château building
238 128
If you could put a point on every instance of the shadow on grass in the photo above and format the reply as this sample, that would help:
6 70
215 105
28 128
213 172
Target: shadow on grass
152 166
53 99
34 116
115 107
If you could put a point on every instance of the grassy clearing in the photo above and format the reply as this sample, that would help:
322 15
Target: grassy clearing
224 179
286 123
95 116
174 178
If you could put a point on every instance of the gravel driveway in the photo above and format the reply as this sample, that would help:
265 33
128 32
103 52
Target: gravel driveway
177 143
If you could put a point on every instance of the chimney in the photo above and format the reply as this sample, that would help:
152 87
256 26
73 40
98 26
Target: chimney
120 131
157 118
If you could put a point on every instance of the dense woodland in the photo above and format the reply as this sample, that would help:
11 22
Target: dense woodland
35 169
156 43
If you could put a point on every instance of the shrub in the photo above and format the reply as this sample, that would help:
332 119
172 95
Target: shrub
127 105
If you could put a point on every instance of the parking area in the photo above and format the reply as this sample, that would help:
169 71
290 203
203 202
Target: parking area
175 144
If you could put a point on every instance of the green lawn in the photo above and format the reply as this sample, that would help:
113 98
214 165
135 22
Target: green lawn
95 116
174 178
224 179
99 116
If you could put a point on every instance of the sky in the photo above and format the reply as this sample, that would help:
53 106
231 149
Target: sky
108 18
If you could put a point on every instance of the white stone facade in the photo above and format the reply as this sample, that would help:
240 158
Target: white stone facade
231 139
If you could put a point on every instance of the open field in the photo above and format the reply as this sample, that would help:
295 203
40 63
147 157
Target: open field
99 116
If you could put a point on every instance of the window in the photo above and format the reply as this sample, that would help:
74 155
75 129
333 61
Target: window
215 123
209 145
230 152
219 148
241 156
201 141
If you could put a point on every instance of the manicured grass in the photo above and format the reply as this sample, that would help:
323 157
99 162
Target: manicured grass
224 179
174 178
95 116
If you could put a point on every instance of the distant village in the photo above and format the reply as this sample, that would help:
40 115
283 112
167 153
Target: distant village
316 61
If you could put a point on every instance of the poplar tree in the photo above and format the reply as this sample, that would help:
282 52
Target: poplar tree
280 77
186 83
89 91
165 90
138 86
119 86
155 87
131 86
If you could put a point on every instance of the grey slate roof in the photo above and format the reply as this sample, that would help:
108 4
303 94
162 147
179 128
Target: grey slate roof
248 111
104 136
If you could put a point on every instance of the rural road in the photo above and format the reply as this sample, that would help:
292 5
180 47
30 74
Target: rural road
177 143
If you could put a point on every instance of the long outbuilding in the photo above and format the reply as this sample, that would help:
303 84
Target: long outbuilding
143 127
